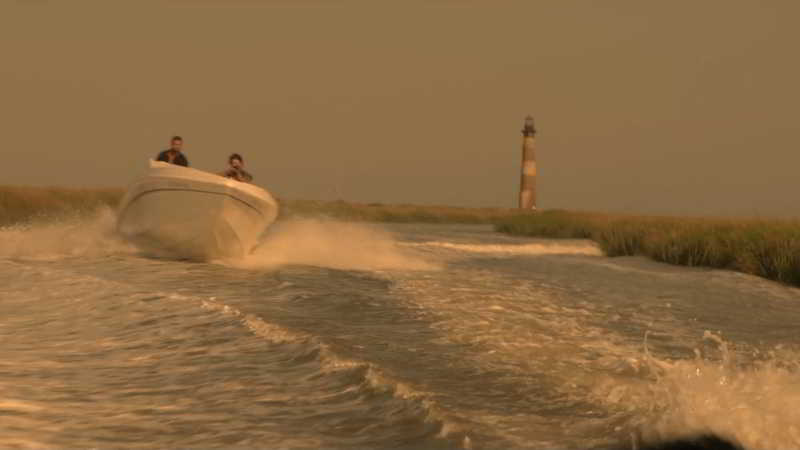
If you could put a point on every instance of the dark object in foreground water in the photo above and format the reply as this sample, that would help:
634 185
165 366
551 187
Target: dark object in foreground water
703 442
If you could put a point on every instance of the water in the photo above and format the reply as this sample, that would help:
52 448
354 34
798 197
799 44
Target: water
337 335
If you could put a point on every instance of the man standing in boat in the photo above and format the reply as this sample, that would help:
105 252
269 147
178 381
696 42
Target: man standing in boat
236 169
173 155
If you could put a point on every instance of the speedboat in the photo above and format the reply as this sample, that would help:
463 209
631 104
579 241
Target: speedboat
186 213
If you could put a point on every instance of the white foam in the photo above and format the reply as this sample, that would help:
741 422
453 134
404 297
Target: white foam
754 403
333 244
91 236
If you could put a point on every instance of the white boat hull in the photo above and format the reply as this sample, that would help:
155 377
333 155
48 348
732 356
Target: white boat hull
181 212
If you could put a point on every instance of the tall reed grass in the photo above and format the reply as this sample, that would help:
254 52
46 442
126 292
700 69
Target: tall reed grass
22 204
403 213
766 248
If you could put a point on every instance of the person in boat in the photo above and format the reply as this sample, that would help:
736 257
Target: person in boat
173 154
236 169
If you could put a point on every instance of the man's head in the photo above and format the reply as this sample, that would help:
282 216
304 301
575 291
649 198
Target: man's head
176 143
236 160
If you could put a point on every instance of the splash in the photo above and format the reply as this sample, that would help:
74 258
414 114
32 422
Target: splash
333 244
91 236
749 398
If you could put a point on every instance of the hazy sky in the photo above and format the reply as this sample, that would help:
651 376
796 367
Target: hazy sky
680 107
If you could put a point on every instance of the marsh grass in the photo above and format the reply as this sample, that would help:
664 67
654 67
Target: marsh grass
22 204
403 213
766 248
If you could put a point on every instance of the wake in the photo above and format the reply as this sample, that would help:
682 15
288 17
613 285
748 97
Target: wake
312 242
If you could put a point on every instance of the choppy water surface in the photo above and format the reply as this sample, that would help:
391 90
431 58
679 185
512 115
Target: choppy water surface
337 335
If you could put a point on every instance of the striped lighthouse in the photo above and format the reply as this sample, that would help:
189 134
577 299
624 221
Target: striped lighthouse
527 184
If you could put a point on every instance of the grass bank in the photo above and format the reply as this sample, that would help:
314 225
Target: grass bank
766 248
23 204
32 204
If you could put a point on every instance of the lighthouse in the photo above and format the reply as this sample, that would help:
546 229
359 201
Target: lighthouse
527 184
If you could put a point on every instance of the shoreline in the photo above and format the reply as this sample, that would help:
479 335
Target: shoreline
768 248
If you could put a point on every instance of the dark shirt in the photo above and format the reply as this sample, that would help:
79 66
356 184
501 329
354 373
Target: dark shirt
180 158
238 174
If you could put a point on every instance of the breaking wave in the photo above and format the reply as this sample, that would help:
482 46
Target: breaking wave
745 397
